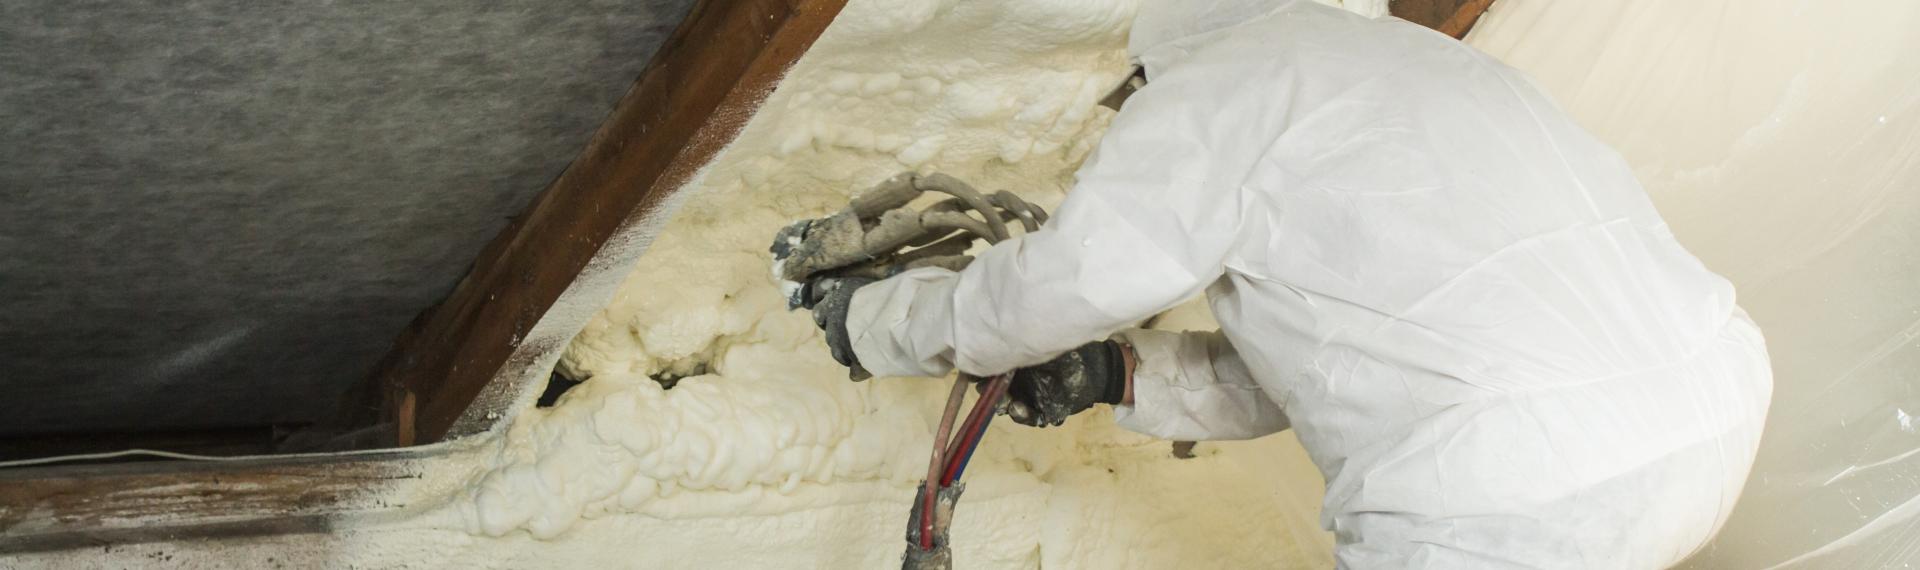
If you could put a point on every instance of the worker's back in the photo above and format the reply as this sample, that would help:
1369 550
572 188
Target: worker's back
1479 325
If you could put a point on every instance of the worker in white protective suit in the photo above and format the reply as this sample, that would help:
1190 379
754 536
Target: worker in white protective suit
1465 305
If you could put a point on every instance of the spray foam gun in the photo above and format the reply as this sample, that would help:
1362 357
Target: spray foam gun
878 235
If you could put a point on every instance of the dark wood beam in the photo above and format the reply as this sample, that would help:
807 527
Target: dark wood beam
61 507
1463 19
1429 13
1451 17
700 89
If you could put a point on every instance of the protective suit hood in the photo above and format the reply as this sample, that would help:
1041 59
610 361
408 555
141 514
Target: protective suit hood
1165 30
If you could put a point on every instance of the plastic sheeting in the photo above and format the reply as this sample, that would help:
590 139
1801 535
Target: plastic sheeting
1781 140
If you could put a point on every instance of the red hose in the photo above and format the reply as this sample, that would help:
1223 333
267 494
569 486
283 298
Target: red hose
929 487
974 428
946 458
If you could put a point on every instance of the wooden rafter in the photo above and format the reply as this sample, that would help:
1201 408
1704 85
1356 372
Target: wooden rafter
1451 17
65 507
1462 20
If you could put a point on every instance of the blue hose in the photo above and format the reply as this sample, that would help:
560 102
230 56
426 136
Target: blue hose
962 467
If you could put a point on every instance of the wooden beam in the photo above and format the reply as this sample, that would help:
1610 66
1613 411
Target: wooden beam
50 508
700 89
1429 13
1463 19
1451 17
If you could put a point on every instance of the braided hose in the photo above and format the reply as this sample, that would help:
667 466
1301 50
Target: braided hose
879 226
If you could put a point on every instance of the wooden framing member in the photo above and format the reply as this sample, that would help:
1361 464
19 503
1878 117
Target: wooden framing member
1463 19
476 351
1451 17
52 508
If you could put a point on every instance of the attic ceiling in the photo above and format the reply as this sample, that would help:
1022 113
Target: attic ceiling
219 213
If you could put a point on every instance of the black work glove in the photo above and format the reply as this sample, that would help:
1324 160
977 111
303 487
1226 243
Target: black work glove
1046 394
829 298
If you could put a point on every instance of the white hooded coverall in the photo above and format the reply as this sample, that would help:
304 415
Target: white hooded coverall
1465 305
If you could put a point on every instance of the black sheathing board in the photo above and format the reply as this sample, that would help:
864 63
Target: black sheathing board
220 212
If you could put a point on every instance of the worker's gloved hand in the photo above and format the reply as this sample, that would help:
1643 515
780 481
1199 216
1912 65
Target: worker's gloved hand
1046 394
829 299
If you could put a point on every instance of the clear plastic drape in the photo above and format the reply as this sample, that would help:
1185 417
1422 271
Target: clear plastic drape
1781 140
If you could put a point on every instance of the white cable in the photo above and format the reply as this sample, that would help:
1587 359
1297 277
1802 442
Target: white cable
374 454
114 454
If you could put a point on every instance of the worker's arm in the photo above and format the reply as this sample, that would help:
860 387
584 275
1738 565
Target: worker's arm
1193 386
1154 218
